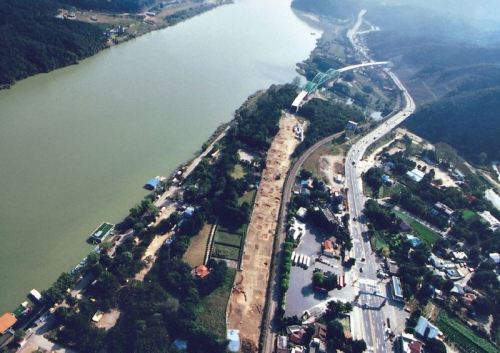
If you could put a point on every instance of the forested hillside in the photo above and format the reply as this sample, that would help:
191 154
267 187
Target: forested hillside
32 40
470 122
110 5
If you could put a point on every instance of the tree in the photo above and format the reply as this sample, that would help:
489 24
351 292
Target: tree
435 346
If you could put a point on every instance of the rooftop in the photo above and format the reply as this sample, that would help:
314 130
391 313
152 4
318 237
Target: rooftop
7 320
415 175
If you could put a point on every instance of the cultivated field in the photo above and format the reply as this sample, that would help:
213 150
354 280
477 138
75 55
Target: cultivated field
463 337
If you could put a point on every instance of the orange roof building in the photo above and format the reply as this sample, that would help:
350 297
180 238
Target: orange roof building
328 248
7 320
201 271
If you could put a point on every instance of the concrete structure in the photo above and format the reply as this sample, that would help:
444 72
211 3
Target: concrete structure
296 230
302 212
442 210
299 100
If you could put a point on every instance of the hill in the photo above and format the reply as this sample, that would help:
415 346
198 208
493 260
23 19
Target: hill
469 122
34 41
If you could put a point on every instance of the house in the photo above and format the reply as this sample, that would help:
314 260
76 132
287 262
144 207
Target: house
347 335
413 240
388 166
457 289
302 212
406 343
440 264
453 274
152 183
392 267
459 256
298 349
201 271
188 212
339 179
441 210
320 331
7 320
495 257
298 337
317 346
328 249
415 175
425 329
282 344
330 218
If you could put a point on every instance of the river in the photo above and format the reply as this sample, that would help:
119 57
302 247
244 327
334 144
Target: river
77 144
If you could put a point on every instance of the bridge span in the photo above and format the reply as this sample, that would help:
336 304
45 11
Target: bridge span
322 77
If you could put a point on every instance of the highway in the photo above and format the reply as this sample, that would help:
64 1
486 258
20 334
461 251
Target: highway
370 324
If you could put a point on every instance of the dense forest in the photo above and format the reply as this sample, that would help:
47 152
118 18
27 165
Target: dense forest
34 41
469 122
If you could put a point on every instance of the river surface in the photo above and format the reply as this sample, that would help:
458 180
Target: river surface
77 144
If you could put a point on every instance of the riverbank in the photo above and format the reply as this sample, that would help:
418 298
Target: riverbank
93 134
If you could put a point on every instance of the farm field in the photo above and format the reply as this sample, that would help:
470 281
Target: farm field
225 251
462 336
469 215
426 234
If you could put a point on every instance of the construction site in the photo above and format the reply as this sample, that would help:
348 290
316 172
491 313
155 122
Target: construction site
246 304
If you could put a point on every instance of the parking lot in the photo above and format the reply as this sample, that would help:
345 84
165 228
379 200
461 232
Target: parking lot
301 295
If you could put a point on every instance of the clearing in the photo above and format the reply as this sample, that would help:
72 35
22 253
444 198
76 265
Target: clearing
247 301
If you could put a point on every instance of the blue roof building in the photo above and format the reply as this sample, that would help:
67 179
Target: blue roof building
413 240
233 336
152 183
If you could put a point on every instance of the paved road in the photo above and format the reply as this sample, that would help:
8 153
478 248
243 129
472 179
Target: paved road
370 324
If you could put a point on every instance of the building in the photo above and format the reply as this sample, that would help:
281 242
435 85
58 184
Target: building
302 212
387 180
440 209
233 337
491 220
152 183
101 233
397 290
406 343
495 257
328 248
36 295
459 256
415 175
413 240
330 218
7 320
425 329
296 230
351 126
188 212
282 344
404 227
317 346
201 271
320 331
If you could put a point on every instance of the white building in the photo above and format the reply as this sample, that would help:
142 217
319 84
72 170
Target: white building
491 220
425 329
415 175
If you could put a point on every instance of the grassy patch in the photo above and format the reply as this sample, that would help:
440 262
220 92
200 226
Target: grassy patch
469 215
228 238
378 243
238 172
226 251
248 197
427 235
463 336
195 254
388 191
212 308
